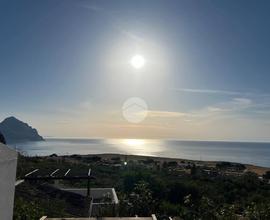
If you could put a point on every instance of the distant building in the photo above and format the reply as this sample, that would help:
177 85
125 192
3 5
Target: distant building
8 165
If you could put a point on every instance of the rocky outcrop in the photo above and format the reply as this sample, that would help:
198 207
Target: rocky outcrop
15 131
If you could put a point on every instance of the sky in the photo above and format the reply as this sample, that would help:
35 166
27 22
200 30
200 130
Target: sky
65 67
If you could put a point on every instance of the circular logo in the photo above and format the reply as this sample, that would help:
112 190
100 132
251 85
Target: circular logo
134 110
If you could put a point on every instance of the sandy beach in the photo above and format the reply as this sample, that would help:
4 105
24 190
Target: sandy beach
249 168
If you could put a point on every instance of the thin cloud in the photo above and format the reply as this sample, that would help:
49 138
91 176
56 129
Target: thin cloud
222 92
91 7
165 114
219 110
236 104
242 101
210 91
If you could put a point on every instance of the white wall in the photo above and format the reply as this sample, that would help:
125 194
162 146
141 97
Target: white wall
8 165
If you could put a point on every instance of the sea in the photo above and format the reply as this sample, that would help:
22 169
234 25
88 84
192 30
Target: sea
256 153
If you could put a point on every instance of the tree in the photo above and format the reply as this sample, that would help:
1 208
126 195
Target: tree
267 175
141 199
258 211
26 210
2 139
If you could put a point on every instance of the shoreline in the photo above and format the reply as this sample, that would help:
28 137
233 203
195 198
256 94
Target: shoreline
189 150
259 170
159 139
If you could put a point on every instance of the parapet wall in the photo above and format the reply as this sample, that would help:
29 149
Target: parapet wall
8 167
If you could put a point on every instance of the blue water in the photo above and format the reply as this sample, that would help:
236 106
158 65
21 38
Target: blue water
242 152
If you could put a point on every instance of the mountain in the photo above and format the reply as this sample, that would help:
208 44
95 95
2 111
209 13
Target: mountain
15 131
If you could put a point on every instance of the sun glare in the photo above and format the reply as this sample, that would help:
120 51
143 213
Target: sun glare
133 142
137 61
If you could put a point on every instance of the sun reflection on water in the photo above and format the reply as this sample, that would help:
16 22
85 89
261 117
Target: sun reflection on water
138 146
134 142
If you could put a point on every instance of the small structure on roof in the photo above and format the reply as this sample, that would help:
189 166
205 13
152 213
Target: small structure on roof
101 200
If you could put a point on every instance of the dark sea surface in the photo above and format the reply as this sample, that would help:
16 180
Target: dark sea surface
241 152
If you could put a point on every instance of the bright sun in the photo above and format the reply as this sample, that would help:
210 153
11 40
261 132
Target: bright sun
137 61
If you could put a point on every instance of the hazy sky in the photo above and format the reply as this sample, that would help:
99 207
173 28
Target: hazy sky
64 67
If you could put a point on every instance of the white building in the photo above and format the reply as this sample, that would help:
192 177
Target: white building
8 165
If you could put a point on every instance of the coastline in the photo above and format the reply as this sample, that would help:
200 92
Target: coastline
259 170
256 154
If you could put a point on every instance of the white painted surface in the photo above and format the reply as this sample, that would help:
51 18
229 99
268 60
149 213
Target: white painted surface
8 165
18 182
